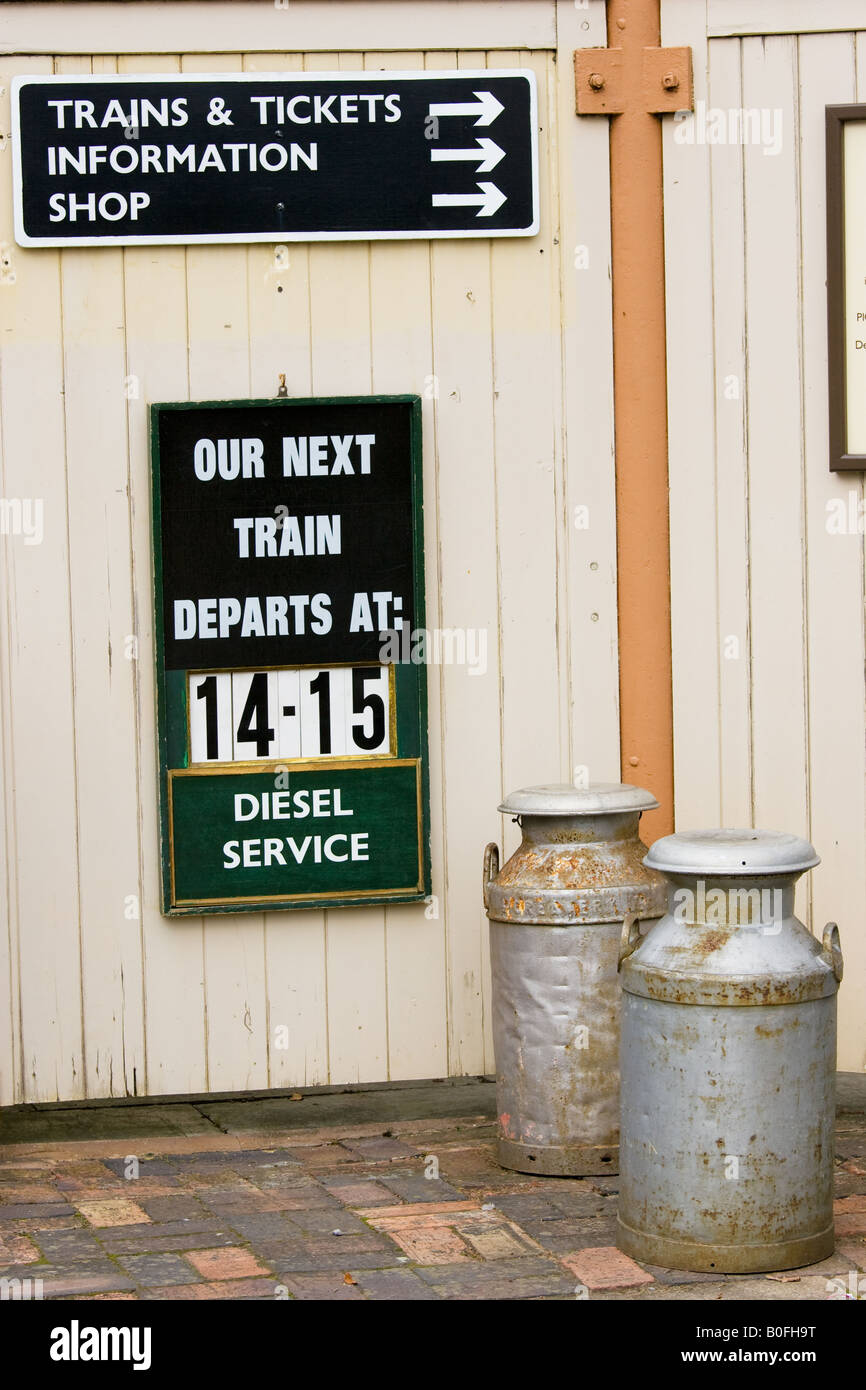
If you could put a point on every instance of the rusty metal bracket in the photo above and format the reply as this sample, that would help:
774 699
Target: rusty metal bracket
600 87
598 82
666 80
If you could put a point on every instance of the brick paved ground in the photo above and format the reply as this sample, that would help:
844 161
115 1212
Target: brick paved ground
415 1209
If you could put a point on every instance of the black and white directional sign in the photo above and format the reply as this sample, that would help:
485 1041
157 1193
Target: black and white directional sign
128 160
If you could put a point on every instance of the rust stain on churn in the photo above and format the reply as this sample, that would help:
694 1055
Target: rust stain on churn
579 870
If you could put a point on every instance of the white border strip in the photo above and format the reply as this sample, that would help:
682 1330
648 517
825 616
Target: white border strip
744 18
161 27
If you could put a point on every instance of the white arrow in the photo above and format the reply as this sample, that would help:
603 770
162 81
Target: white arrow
488 201
487 152
486 108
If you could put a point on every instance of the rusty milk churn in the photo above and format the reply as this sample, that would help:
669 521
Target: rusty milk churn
729 1062
556 911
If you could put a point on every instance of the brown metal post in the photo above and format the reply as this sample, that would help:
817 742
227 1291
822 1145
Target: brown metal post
640 403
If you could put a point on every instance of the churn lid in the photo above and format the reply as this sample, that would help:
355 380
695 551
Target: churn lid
565 799
741 852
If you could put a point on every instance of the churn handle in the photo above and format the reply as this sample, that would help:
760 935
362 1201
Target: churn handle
630 937
491 868
832 951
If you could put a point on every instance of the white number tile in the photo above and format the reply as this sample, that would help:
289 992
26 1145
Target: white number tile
200 697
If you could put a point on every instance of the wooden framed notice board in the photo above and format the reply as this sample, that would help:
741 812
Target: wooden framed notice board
288 570
846 284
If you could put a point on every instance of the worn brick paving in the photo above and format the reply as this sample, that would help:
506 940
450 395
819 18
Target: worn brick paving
417 1211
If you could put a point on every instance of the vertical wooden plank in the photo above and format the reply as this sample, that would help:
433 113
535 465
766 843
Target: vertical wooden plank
157 370
526 412
10 990
101 605
12 1086
279 326
402 361
10 1002
39 716
588 613
462 305
10 1010
773 258
531 532
219 368
834 578
279 289
440 781
732 529
342 365
691 453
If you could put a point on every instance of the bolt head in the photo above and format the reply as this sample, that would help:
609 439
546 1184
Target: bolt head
596 81
670 82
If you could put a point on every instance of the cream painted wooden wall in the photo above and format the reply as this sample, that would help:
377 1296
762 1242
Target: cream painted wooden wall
509 344
767 607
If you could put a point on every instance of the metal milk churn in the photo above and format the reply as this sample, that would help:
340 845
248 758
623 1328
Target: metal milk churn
556 911
729 1062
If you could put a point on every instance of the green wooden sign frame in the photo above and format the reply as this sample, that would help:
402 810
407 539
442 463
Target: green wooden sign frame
388 795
